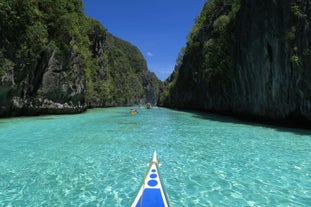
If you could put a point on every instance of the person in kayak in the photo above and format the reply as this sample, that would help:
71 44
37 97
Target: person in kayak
133 111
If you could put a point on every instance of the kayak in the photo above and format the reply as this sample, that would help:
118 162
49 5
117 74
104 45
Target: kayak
133 111
151 193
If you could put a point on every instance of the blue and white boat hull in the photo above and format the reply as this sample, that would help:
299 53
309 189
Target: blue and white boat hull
151 193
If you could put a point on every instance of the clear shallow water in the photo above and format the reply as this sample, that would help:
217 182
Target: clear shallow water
99 159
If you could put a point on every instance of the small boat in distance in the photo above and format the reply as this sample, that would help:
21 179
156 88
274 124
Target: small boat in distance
151 193
133 111
148 105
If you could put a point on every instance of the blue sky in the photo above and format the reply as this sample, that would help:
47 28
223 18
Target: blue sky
159 28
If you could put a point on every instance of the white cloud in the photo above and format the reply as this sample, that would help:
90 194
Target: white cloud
150 54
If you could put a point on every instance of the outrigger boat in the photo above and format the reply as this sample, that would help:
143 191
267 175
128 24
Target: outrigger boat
151 193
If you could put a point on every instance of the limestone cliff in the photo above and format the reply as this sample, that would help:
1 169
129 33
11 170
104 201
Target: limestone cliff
120 75
41 69
272 70
248 58
44 87
53 59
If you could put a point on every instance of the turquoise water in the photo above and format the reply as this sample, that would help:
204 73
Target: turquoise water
99 159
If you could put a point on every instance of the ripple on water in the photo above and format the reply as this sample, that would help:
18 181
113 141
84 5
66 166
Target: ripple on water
99 158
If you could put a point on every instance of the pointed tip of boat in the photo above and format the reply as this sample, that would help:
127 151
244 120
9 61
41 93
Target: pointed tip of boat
154 159
151 192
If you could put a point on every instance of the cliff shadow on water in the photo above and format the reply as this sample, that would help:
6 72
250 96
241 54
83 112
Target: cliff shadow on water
299 128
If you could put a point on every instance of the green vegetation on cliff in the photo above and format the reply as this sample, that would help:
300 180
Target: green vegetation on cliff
247 58
42 48
206 61
30 27
53 57
119 75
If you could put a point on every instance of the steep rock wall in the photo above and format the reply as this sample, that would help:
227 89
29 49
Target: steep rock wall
120 75
247 58
63 62
202 77
47 86
268 81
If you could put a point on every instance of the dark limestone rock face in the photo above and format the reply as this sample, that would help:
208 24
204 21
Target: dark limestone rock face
248 58
47 86
196 82
63 86
66 64
272 73
151 86
98 36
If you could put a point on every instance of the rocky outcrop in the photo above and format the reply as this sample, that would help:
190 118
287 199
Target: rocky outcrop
247 58
151 85
52 88
98 36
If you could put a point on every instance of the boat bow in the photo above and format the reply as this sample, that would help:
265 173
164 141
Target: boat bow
151 193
